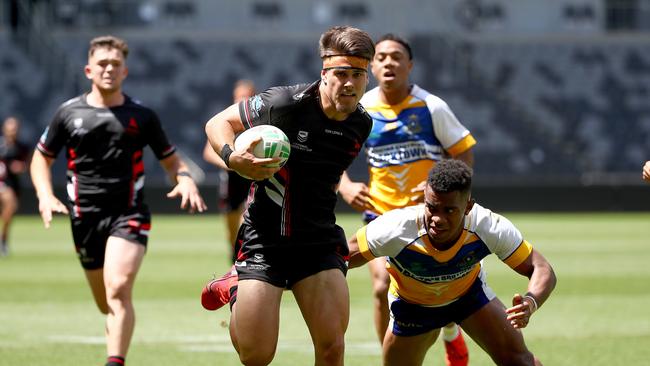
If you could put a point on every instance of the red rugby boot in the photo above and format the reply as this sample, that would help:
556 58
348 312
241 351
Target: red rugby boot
216 293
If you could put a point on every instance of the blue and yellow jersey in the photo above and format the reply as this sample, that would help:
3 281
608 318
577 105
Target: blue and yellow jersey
405 142
422 274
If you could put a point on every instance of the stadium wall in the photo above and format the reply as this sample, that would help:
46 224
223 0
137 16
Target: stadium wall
499 198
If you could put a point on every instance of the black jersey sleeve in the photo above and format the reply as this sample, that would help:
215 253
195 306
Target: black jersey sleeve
269 106
55 135
156 137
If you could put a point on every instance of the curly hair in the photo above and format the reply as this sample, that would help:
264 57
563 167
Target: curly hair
450 175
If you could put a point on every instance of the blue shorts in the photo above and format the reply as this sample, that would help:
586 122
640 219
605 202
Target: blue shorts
369 216
409 319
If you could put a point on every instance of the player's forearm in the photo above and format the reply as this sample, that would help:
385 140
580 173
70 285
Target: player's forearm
41 175
212 157
222 128
175 168
345 183
542 280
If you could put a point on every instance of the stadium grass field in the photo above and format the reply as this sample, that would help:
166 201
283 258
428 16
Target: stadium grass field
598 314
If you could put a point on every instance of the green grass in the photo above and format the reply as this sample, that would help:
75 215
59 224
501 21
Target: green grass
598 314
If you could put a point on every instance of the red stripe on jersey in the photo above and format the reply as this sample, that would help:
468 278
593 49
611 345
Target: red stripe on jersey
40 146
168 151
138 170
72 166
247 113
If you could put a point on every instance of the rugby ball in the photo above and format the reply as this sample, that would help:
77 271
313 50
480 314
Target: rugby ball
274 143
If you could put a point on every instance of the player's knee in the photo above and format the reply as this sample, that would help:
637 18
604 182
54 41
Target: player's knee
118 290
331 352
256 355
379 289
514 358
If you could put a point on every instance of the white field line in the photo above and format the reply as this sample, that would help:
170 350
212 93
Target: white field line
218 344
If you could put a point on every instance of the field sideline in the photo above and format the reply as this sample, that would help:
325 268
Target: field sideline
598 314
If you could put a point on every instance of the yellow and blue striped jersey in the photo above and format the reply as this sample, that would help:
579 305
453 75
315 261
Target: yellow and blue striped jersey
405 142
422 274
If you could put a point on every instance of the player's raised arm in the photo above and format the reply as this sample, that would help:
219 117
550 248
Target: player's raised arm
42 180
646 171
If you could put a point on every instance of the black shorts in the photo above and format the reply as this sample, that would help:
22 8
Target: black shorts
285 265
233 190
91 231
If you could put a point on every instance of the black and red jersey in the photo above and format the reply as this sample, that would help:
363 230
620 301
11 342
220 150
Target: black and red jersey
10 153
297 203
104 152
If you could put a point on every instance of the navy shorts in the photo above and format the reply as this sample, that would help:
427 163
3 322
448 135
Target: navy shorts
369 216
409 319
285 265
91 231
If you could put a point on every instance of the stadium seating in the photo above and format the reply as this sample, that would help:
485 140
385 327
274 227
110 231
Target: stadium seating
540 108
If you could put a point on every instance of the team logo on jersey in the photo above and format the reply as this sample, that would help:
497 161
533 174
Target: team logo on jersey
132 128
413 125
298 96
302 136
77 123
255 105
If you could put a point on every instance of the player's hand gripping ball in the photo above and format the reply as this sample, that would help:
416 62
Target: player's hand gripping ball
274 143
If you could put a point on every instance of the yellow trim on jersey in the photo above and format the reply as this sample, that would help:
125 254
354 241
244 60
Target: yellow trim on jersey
392 111
461 146
363 244
437 294
445 255
519 255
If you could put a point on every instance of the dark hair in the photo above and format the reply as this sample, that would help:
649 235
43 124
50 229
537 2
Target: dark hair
450 175
398 39
349 41
108 42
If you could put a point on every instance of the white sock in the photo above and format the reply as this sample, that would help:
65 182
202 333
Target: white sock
450 333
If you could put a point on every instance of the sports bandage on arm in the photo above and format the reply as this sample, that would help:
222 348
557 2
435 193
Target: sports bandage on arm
225 153
531 300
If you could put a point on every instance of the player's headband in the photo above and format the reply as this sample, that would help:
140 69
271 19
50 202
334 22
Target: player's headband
345 62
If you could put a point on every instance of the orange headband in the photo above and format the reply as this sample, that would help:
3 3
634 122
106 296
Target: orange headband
345 62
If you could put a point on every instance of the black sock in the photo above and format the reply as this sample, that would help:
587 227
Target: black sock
115 361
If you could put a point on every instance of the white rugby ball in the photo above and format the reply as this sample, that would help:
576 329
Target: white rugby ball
274 143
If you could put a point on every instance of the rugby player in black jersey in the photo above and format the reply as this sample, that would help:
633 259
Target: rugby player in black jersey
103 133
13 162
289 238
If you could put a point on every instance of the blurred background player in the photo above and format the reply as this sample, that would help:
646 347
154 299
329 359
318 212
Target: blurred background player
13 162
437 277
289 237
412 130
233 188
103 133
646 171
